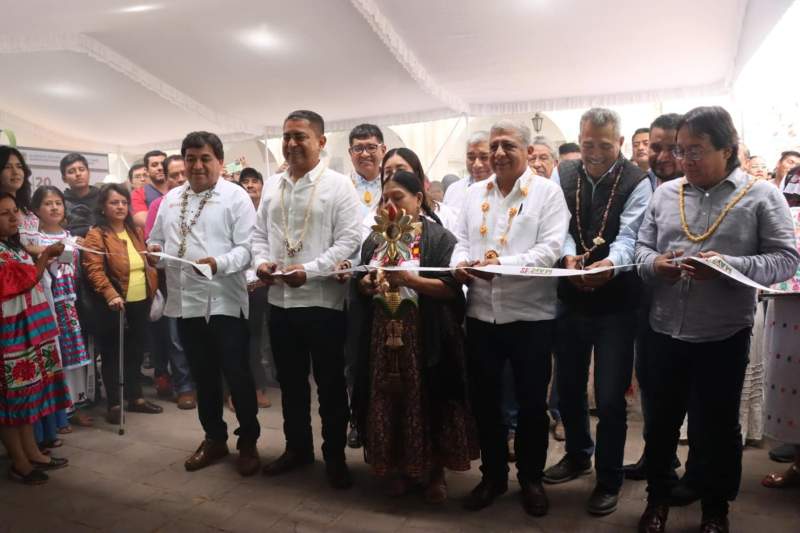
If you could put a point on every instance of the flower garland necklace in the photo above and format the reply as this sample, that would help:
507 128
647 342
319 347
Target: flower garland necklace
293 249
512 212
598 240
700 238
185 228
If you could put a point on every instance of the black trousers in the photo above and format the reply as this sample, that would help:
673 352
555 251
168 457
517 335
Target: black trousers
527 346
305 338
216 349
705 379
136 324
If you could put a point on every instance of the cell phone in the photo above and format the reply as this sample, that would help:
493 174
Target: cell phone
233 168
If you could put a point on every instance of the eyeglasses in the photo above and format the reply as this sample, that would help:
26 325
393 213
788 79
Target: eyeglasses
692 154
361 148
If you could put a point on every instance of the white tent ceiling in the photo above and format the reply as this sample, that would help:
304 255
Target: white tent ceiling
120 74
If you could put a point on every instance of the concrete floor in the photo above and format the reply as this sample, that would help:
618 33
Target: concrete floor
137 482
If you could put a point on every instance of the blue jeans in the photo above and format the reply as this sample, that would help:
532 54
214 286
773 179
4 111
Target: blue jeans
611 337
181 375
46 428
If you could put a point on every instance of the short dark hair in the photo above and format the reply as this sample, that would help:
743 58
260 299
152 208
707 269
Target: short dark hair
365 131
640 130
314 119
250 172
23 195
168 161
152 153
199 139
71 159
40 193
134 168
668 121
788 153
717 123
102 198
568 148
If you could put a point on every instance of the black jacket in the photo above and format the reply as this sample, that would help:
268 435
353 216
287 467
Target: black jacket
80 212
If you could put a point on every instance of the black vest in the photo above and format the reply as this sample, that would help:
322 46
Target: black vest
621 293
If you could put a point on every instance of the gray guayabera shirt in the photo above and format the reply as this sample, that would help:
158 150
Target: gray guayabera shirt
756 238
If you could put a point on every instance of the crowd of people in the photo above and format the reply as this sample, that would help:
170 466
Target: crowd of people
424 356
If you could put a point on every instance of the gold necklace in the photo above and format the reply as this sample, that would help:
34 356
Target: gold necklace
512 212
700 238
367 196
294 249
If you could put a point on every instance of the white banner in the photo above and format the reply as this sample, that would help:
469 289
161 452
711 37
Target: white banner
44 165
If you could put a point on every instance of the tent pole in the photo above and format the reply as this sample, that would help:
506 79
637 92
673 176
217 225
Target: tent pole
266 153
447 140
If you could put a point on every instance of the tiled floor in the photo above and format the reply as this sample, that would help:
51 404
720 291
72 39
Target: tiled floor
137 482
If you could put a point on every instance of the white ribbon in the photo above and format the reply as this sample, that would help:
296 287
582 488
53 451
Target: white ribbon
204 269
715 262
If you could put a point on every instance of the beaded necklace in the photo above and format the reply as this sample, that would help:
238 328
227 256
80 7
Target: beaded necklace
294 249
598 240
700 238
185 228
512 212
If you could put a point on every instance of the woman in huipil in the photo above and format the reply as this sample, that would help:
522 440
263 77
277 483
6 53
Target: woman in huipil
410 397
31 379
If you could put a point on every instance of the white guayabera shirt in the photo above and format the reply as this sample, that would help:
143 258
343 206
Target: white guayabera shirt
332 220
535 239
222 231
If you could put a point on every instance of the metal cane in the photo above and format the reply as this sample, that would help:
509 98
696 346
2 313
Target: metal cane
122 371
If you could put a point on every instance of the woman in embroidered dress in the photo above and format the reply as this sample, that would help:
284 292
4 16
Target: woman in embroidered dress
124 281
31 380
15 180
48 204
410 397
782 358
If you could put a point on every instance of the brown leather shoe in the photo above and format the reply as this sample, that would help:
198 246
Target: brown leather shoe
248 461
484 494
286 463
187 400
208 452
715 524
436 491
558 431
534 499
654 519
262 399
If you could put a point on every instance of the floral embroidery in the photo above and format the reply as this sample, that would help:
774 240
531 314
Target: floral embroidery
24 370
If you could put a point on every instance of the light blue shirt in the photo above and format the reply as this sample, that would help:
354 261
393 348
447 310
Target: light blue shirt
363 187
623 249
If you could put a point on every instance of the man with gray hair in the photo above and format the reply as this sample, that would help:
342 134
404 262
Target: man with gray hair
477 170
513 218
544 158
607 196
